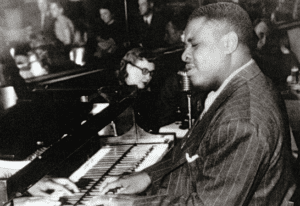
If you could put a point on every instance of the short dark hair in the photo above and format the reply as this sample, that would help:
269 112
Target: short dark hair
234 15
109 5
57 2
132 56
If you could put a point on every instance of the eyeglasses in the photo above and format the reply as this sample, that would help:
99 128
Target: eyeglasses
145 71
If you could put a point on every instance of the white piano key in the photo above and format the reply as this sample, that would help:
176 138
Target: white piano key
89 164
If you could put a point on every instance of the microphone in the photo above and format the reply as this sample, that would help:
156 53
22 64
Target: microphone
186 83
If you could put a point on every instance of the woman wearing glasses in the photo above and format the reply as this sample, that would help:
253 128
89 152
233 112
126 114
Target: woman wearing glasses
136 68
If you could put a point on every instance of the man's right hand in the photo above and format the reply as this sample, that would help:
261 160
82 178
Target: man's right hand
129 184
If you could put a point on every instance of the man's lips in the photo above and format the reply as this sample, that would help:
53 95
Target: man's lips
189 68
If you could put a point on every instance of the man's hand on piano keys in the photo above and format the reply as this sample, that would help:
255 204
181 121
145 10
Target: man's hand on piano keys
54 187
129 184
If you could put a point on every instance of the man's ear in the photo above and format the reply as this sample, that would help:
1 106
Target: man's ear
230 41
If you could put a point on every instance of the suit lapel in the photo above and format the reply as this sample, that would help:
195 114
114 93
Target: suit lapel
201 126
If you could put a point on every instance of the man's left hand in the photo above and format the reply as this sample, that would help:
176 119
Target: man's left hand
55 187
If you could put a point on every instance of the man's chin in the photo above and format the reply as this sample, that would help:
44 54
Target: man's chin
199 86
141 86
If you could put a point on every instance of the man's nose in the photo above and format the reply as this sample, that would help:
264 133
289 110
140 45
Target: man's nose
147 77
186 55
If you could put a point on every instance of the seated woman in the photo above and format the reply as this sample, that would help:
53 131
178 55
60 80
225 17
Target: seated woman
262 28
110 37
273 54
136 70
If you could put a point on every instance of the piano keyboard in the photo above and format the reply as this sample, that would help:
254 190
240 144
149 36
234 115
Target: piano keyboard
109 162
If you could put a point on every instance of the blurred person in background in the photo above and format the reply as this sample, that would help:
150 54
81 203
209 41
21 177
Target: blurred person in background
110 37
262 28
273 53
150 26
63 26
39 21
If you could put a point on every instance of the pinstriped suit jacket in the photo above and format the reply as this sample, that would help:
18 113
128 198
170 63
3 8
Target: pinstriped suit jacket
243 147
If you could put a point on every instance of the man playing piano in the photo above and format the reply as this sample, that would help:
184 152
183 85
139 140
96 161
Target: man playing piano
238 151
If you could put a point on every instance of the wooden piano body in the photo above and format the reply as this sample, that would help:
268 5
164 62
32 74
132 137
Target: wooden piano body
87 158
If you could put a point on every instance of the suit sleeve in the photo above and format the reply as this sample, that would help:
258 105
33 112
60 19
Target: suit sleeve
157 171
232 156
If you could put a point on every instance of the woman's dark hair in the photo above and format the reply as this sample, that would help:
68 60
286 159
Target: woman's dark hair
132 56
109 5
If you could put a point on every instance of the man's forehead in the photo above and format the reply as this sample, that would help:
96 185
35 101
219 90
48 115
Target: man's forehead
194 28
196 23
201 26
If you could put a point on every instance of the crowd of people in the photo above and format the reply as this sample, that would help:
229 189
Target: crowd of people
238 151
105 40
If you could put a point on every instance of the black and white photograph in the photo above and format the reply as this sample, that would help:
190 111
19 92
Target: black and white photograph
149 102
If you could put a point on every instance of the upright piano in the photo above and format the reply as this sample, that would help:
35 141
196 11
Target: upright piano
108 143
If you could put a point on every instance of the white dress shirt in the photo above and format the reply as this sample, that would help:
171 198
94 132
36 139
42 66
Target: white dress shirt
211 97
148 19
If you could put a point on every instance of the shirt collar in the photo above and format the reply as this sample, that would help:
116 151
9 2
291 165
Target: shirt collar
211 97
148 18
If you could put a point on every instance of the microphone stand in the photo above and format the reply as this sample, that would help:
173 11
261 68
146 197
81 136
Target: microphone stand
189 97
186 87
